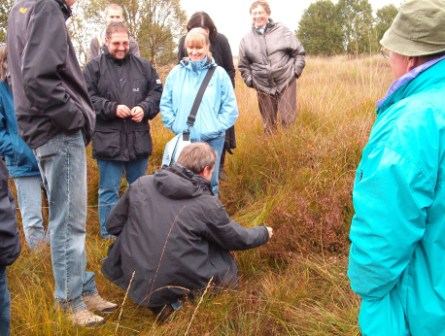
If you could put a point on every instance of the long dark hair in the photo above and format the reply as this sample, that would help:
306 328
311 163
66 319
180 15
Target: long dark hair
203 20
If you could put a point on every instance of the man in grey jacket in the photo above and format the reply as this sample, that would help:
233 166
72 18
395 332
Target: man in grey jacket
270 60
174 236
56 120
112 13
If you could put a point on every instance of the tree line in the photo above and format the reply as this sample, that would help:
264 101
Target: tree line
348 27
325 28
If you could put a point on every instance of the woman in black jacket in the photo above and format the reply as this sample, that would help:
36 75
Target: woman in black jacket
221 52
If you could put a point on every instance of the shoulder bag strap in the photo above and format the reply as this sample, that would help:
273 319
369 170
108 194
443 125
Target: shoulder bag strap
192 116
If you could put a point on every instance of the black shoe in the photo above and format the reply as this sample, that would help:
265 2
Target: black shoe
165 312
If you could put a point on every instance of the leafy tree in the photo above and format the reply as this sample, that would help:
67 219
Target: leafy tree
5 7
163 22
319 30
156 24
81 32
355 17
384 18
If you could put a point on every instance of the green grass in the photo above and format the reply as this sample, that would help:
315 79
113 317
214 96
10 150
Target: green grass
298 181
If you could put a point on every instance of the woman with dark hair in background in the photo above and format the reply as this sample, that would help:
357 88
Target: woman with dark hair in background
222 54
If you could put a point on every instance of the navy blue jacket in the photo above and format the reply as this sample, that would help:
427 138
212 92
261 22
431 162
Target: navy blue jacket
20 159
9 236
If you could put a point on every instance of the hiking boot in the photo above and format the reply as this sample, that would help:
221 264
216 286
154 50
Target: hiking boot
95 302
84 318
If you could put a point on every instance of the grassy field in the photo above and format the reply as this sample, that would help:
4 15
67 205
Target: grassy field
298 181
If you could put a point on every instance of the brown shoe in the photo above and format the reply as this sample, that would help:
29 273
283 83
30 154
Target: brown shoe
96 302
84 318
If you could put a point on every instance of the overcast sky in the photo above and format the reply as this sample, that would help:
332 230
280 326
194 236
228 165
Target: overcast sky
232 17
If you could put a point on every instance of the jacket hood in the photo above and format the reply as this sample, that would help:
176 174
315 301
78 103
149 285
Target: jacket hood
178 182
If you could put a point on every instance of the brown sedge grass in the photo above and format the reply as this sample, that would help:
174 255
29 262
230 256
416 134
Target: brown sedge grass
298 181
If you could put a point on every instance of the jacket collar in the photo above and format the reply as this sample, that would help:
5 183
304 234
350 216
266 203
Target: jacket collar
197 66
270 24
66 10
115 60
402 86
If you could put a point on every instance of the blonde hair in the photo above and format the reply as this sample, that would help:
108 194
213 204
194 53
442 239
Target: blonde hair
197 156
198 36
3 62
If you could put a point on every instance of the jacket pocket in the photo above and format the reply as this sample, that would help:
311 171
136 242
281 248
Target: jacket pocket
142 143
106 144
51 148
23 155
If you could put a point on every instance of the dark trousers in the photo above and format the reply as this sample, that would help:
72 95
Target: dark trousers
284 102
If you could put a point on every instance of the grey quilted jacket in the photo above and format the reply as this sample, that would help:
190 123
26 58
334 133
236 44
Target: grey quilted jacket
269 61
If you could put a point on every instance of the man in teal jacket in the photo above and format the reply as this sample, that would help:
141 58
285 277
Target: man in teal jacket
396 262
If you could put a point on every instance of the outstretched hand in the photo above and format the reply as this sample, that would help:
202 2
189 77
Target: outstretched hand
269 231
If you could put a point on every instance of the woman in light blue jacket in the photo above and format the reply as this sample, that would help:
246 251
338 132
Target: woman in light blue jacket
218 109
21 163
397 256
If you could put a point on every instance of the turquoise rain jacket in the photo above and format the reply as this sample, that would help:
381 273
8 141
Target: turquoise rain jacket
218 109
397 256
19 158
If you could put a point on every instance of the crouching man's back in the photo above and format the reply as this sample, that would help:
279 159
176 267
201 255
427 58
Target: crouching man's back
174 234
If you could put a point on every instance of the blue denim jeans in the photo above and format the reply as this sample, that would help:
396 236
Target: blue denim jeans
5 304
218 145
62 164
110 173
29 197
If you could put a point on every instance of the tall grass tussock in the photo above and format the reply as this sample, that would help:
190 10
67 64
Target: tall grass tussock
298 181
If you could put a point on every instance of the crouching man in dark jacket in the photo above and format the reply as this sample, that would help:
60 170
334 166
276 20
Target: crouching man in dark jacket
174 235
9 246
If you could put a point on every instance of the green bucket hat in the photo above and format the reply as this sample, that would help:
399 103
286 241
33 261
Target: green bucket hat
418 29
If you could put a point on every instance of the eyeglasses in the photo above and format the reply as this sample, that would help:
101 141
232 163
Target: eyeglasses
385 53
